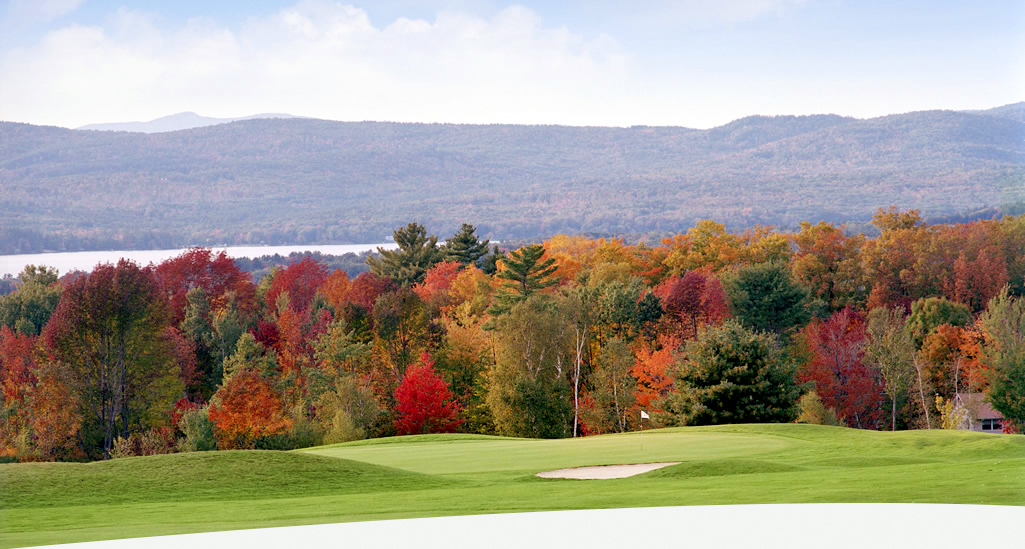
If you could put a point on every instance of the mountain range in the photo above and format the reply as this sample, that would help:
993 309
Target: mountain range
299 180
174 122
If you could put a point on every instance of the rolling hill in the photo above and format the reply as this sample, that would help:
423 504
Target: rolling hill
305 181
446 475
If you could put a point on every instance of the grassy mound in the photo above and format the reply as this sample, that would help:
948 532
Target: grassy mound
439 475
201 476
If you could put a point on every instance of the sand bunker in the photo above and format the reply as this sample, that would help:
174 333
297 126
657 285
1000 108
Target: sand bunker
606 471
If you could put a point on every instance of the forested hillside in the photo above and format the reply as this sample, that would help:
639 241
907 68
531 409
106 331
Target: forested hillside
305 181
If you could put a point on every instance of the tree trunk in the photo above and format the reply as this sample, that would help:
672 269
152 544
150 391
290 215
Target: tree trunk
921 392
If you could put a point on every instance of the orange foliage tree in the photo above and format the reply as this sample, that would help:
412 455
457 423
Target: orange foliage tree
39 417
245 409
335 289
434 290
652 370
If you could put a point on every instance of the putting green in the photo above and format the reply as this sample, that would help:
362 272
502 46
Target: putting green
439 475
467 456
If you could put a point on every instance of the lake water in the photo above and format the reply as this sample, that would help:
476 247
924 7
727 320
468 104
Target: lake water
85 261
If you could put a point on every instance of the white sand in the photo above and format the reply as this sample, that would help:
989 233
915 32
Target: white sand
606 471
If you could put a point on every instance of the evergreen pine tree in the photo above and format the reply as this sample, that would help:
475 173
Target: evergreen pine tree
465 247
524 273
409 264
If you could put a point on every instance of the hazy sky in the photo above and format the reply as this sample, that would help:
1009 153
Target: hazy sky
696 63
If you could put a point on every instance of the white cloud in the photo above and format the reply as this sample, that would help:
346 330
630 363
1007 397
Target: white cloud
41 9
324 60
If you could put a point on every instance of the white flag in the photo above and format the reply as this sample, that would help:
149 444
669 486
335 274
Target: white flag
644 415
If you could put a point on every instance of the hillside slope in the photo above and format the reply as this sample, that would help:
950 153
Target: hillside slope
302 180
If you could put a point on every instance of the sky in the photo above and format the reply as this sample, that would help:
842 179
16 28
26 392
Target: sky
693 63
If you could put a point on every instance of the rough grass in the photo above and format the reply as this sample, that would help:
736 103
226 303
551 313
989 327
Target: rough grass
438 475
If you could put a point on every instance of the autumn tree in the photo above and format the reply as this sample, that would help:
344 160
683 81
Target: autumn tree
706 245
300 281
335 290
470 289
423 402
434 290
245 409
109 333
464 247
417 252
217 274
692 301
945 358
828 263
891 260
652 369
842 380
977 277
731 375
39 416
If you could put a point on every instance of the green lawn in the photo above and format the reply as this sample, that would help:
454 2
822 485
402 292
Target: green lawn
439 475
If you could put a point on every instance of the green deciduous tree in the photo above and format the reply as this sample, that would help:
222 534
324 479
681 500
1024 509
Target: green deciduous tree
929 313
1003 325
28 309
891 349
613 389
731 375
528 391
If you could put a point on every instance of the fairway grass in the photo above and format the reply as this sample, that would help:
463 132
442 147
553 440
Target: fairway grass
439 475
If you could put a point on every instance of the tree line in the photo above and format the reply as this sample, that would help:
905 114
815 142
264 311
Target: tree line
570 337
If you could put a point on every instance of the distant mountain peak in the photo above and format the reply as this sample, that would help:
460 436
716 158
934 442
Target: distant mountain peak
175 122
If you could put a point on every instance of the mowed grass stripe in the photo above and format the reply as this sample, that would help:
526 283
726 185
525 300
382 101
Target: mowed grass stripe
470 475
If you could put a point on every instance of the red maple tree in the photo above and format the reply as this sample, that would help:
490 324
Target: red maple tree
693 300
217 274
424 403
842 379
301 280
